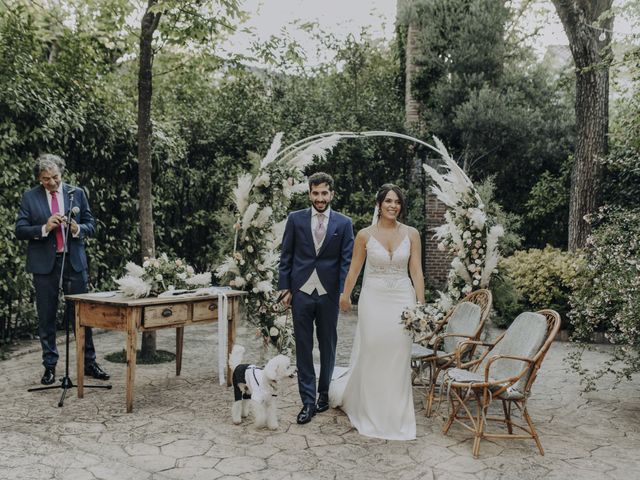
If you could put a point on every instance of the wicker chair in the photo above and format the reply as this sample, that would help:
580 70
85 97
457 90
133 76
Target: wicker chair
505 372
464 322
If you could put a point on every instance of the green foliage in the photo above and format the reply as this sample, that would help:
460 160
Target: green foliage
606 297
544 278
507 301
510 241
547 208
497 111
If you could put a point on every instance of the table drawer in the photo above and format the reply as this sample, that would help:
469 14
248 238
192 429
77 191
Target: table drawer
161 315
203 311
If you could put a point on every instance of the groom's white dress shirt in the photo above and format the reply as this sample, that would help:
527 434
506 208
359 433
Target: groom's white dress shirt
314 282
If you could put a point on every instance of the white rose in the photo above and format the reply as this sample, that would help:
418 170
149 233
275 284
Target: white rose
159 277
190 270
145 264
250 249
274 332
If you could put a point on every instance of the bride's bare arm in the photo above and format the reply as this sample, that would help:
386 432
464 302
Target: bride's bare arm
415 264
357 260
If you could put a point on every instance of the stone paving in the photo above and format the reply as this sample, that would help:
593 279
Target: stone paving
180 427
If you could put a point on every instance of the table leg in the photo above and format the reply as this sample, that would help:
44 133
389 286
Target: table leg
132 342
179 341
80 336
231 339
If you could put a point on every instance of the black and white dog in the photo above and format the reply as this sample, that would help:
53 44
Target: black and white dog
257 387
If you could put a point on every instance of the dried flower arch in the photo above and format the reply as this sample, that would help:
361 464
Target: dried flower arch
262 201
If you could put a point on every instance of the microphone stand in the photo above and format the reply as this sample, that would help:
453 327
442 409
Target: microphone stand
65 382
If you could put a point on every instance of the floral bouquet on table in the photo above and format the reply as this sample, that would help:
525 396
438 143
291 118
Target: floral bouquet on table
158 275
421 321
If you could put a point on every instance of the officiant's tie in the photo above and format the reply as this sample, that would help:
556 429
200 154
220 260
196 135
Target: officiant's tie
320 230
56 209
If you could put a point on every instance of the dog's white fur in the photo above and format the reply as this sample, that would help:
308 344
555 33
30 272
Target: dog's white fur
264 392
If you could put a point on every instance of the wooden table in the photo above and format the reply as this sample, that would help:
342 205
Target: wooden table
146 314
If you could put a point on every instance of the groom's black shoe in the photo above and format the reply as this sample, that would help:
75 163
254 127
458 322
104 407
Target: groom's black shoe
305 415
323 403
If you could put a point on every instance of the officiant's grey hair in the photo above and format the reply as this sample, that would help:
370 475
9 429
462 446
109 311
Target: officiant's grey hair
48 162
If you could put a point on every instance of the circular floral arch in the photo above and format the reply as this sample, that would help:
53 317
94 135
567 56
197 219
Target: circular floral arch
262 201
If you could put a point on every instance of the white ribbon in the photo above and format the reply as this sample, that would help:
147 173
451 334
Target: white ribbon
223 308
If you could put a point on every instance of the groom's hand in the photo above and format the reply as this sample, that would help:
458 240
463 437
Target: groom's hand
285 298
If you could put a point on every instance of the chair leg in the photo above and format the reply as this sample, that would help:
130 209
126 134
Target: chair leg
534 433
434 371
479 426
454 412
507 416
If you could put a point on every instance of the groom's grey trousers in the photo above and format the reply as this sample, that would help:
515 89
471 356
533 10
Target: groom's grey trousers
323 310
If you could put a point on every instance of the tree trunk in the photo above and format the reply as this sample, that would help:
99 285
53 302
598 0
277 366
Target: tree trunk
589 46
145 92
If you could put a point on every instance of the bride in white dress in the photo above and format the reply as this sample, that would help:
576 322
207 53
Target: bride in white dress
376 391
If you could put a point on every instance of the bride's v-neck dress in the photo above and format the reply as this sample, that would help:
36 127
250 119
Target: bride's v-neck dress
376 391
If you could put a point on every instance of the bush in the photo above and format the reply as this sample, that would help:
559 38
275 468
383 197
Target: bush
544 278
607 296
507 301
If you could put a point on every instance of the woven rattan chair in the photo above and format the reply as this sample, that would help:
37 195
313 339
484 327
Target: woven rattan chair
464 322
505 373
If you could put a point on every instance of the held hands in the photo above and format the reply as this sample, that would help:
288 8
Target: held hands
345 302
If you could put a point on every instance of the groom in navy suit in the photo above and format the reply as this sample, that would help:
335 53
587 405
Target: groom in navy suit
316 253
44 213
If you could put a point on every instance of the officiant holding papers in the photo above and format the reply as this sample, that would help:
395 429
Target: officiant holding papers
42 218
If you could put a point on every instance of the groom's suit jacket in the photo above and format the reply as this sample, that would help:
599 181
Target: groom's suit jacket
298 257
41 251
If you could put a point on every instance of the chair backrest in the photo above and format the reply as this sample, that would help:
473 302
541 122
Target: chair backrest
464 320
524 338
481 298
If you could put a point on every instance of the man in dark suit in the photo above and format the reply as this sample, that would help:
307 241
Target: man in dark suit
316 253
42 218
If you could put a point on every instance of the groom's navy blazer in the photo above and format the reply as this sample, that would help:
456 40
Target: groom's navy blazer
298 257
41 251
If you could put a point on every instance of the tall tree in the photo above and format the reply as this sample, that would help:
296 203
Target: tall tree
188 21
587 24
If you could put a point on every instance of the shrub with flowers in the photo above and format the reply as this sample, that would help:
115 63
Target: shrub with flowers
607 294
469 234
158 275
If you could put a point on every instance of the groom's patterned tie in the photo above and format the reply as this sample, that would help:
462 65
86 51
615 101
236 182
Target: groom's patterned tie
319 232
56 209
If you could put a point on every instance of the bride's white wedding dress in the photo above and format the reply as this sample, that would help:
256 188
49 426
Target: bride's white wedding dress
376 391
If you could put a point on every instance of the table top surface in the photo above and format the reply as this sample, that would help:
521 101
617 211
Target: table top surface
117 298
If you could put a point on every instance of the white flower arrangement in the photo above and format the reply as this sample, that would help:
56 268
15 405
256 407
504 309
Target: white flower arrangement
158 275
469 235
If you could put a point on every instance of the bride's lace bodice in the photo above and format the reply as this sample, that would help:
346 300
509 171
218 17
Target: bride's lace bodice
385 266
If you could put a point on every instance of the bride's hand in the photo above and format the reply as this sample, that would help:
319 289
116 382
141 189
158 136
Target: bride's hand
345 302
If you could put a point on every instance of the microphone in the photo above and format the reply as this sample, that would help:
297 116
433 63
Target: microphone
75 211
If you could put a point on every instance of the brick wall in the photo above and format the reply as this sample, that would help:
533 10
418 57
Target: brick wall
436 263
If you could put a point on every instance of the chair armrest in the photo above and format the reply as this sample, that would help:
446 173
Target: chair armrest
462 347
510 379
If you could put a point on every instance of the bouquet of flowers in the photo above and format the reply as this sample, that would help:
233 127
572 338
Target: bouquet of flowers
421 321
161 274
